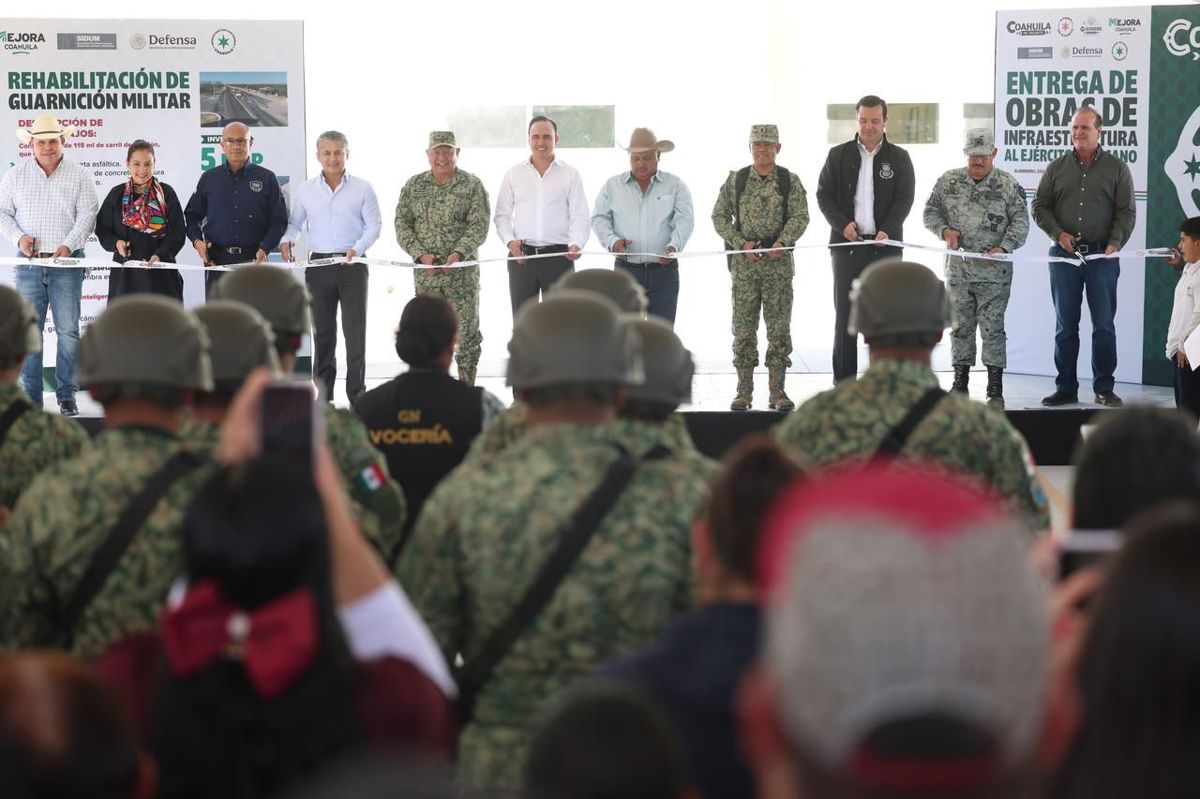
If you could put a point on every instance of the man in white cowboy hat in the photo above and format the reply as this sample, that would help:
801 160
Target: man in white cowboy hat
48 208
646 210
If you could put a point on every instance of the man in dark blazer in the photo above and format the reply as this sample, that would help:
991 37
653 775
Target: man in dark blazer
862 205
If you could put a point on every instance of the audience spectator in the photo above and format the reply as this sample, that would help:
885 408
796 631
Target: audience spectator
906 643
692 670
424 420
65 735
1135 458
604 742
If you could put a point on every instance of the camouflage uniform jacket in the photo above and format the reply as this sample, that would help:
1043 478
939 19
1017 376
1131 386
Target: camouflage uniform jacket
510 425
990 213
35 441
761 211
482 536
848 423
65 516
441 218
378 499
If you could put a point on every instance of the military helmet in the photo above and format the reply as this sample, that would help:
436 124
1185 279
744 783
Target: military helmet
897 297
273 292
614 284
145 339
572 337
241 341
20 333
667 363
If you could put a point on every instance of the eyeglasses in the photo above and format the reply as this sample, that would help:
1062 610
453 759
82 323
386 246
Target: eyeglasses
238 142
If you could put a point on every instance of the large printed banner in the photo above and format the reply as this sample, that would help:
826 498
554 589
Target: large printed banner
1140 67
1049 63
175 83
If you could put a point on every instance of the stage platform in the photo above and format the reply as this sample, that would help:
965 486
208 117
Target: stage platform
1052 433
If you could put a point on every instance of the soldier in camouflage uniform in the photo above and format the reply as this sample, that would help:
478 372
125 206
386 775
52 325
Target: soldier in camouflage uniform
901 309
487 528
978 209
30 440
441 219
760 216
143 358
283 301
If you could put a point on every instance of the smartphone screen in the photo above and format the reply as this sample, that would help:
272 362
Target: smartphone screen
288 411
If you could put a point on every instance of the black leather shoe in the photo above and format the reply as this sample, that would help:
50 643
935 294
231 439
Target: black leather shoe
1108 399
1060 397
68 408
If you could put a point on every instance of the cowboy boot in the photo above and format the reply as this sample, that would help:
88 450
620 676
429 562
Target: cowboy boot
779 399
962 374
995 388
745 389
467 376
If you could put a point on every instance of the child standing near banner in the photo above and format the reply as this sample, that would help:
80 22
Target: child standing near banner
1185 317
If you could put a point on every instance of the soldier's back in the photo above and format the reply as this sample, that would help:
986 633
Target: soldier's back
35 441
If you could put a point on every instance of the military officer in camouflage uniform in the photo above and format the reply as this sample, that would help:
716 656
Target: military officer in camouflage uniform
143 358
901 308
30 440
283 301
489 526
441 219
240 341
978 209
754 212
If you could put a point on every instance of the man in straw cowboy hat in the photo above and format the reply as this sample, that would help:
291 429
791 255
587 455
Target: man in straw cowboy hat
48 208
646 210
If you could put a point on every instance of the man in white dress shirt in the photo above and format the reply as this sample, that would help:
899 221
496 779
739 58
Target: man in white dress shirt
541 208
343 219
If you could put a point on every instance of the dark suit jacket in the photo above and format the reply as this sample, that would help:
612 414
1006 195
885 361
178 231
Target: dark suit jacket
895 186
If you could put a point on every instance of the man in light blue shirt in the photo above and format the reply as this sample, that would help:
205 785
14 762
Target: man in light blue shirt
343 219
646 210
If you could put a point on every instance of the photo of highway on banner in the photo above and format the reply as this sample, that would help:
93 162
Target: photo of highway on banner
257 99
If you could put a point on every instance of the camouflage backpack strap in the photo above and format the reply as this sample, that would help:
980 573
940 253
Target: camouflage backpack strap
577 532
11 414
104 562
897 437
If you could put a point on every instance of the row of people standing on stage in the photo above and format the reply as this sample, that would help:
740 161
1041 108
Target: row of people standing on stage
865 191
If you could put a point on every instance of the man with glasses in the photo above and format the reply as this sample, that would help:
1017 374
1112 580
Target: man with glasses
236 213
978 210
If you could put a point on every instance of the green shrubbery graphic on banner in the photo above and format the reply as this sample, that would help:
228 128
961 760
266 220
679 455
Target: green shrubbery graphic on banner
1173 182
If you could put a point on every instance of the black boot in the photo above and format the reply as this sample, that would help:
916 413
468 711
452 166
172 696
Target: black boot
962 374
995 388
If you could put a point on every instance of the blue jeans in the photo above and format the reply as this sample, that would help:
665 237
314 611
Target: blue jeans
1068 283
661 282
60 290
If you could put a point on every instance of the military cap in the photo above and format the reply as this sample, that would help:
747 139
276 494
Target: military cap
146 340
667 363
980 141
767 133
273 292
19 329
241 341
572 337
442 138
895 297
612 284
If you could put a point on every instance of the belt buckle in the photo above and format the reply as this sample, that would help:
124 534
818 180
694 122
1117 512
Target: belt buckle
1083 248
233 250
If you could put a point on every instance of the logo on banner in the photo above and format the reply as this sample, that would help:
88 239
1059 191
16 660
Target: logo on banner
223 41
1083 52
1124 26
1120 50
87 41
1183 166
21 43
1035 52
1066 26
1028 28
886 172
137 41
1091 27
162 41
1181 39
